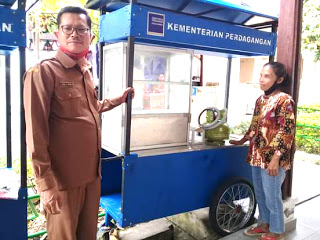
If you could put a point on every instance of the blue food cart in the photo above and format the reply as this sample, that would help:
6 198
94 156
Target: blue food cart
152 167
13 187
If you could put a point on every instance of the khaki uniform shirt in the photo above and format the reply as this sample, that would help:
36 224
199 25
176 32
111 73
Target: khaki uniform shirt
62 122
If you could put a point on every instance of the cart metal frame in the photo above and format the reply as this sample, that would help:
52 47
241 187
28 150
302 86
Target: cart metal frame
149 184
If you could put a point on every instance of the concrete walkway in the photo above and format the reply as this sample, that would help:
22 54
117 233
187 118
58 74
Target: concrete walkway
308 223
305 187
306 176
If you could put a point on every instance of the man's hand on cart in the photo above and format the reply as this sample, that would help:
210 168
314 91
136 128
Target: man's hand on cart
51 201
125 94
128 92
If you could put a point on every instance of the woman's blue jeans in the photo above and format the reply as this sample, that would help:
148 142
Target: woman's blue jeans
269 198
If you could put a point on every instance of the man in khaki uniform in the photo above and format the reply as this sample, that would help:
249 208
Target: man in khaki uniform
63 131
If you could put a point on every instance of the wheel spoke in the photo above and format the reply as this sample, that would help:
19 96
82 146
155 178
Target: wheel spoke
235 207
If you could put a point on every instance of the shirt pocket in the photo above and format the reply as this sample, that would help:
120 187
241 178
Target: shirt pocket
68 102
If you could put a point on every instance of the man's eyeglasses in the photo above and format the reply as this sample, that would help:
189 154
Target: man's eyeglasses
69 30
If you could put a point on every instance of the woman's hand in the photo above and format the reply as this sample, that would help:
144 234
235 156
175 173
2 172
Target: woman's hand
235 142
273 168
238 142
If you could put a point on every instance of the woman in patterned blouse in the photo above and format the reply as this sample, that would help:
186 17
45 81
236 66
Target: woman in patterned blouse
271 135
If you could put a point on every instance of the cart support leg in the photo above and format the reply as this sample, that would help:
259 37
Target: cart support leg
108 219
8 108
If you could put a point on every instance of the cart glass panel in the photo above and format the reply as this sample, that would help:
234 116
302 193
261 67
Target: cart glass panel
160 109
161 80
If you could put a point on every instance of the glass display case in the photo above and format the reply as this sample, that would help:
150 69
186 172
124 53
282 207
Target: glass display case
161 106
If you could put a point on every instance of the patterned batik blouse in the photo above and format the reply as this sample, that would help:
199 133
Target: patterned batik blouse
271 129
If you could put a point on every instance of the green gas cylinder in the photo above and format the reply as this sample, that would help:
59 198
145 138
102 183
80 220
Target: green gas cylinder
218 133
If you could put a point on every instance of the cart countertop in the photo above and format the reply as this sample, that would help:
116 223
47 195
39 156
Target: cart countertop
179 149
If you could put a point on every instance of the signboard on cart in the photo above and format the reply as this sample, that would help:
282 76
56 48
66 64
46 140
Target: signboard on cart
179 30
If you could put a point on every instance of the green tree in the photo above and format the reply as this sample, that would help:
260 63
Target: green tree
50 8
311 27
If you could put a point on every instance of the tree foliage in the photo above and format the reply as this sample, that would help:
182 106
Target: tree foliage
307 131
311 27
308 128
50 8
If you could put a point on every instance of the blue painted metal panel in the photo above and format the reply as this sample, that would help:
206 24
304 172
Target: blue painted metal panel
112 205
7 2
216 12
111 171
239 7
167 28
4 50
13 217
12 29
115 26
163 185
177 5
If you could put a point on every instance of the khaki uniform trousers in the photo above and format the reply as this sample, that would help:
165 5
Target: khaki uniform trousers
79 214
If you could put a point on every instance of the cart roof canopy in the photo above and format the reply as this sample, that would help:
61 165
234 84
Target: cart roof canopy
7 3
231 11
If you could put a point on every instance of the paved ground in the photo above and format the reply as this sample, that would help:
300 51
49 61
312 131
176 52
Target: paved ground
306 176
308 223
305 186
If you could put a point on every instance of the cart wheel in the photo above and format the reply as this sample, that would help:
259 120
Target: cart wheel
232 207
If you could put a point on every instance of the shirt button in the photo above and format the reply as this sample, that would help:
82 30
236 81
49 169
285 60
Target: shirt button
70 95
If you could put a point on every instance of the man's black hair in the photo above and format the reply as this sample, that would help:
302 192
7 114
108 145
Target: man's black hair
72 9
